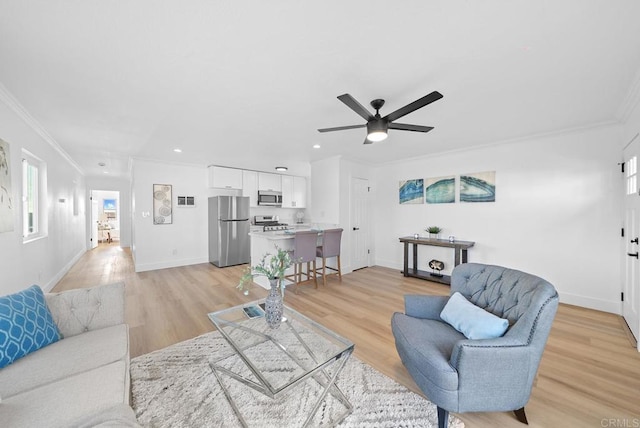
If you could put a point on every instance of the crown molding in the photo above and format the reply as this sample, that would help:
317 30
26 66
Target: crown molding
630 101
541 135
26 117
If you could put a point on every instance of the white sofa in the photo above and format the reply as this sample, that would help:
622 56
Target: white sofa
81 380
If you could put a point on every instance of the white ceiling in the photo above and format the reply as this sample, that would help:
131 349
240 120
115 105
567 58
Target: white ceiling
230 80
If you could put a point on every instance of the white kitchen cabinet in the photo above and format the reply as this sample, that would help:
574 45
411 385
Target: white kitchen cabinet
294 192
268 181
300 192
250 187
225 178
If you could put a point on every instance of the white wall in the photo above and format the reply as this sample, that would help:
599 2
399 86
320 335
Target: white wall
185 241
43 261
325 191
123 187
331 197
557 213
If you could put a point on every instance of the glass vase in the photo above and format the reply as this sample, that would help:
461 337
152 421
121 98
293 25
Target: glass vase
274 306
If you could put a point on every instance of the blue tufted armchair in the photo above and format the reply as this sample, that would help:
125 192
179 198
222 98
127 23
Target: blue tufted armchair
489 375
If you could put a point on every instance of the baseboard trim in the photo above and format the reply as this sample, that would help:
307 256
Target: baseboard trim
53 281
591 303
613 307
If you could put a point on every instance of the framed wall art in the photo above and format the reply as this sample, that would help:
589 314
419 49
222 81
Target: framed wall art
162 205
478 187
440 190
411 191
6 195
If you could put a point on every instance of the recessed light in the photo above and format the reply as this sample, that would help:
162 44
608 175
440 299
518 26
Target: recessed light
101 164
177 150
105 172
316 146
281 168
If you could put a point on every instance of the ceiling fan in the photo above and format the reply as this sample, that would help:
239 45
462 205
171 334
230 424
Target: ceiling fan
378 126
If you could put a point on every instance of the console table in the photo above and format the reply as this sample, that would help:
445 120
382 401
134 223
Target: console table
460 256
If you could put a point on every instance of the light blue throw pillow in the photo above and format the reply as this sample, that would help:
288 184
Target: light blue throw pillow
26 324
471 320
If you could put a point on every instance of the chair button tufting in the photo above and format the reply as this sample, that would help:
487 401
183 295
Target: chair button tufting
86 329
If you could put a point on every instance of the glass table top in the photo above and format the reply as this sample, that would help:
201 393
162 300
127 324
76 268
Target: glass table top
275 359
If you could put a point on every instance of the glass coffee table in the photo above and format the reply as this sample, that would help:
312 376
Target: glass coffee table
277 361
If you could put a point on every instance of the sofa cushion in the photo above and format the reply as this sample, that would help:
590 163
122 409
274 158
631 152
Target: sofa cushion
81 310
472 321
120 416
26 325
62 403
65 358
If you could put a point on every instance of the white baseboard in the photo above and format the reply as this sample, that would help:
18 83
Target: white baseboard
53 281
591 303
391 264
143 267
613 307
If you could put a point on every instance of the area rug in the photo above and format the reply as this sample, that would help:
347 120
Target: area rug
175 387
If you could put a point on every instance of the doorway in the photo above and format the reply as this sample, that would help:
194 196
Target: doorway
631 286
105 217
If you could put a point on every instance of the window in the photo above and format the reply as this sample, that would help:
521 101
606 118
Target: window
33 197
632 176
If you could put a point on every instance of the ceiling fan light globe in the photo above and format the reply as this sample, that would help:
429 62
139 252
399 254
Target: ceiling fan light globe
377 136
377 130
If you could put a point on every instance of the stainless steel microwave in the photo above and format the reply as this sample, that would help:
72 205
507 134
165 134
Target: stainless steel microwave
270 198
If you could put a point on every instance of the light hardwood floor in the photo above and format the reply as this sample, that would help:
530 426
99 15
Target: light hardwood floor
589 375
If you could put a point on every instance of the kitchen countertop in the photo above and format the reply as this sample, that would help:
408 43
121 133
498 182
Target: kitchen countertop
289 234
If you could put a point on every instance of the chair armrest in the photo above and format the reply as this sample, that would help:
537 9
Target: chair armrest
503 366
86 309
426 307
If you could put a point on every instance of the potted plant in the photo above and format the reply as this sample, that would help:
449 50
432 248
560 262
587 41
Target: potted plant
272 266
433 231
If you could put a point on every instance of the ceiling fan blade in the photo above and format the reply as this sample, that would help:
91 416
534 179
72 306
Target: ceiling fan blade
406 127
356 106
427 99
342 128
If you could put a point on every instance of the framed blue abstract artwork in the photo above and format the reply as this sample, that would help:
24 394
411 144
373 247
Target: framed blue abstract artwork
440 190
411 191
478 187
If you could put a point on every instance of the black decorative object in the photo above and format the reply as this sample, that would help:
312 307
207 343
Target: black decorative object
436 265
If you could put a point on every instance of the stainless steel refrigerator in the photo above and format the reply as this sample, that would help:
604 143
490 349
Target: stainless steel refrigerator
229 230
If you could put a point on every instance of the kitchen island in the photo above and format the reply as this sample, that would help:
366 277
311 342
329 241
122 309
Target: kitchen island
269 242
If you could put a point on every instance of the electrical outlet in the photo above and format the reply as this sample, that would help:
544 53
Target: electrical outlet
174 252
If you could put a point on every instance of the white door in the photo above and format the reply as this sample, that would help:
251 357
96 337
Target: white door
631 302
94 223
359 223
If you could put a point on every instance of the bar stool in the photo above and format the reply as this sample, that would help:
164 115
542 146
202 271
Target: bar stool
304 251
330 248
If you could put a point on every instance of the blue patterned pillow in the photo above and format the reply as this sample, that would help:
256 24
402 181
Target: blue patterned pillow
26 324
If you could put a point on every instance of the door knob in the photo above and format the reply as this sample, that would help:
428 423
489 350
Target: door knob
356 228
634 241
633 255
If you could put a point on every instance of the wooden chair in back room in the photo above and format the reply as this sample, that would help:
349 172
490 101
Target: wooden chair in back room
330 248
